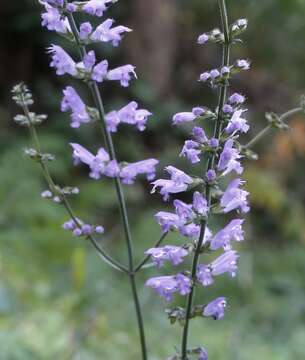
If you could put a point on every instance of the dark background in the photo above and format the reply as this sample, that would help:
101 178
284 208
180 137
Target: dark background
56 299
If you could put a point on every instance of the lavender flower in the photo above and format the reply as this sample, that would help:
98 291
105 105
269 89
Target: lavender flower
72 102
243 64
53 20
234 197
99 73
99 164
123 74
233 231
129 114
166 286
85 30
130 171
168 220
202 354
174 254
88 61
190 151
216 308
236 99
105 33
96 7
61 61
199 134
225 263
228 160
179 182
200 204
237 123
203 39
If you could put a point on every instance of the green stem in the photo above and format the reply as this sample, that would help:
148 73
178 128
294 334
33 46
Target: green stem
211 165
119 189
266 129
54 189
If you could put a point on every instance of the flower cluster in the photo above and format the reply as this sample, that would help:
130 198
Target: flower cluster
224 154
79 228
55 18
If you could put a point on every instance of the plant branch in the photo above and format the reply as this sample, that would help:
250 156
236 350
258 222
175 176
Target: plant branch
266 129
54 189
119 189
217 132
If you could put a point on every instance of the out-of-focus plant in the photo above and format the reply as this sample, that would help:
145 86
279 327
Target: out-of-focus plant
221 152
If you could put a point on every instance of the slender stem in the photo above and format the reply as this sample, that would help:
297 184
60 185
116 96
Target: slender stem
266 129
119 189
211 165
146 258
52 186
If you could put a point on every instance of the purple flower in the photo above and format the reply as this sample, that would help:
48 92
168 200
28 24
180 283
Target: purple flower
88 61
243 64
129 114
70 225
46 194
179 182
190 151
205 76
203 39
233 231
166 286
202 354
216 308
105 33
85 30
72 102
198 111
168 220
213 142
214 74
200 204
192 231
96 7
178 176
204 275
234 197
225 263
199 134
99 229
227 109
228 160
225 70
53 20
129 172
123 74
183 117
99 164
174 254
236 99
183 210
210 175
99 73
62 61
237 123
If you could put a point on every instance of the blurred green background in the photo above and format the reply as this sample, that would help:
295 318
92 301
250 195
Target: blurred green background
57 300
